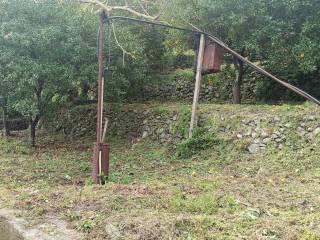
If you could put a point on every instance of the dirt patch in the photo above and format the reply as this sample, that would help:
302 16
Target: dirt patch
136 191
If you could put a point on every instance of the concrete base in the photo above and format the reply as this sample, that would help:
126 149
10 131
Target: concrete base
12 228
7 230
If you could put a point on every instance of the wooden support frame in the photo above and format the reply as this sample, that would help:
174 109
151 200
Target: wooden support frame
193 121
97 156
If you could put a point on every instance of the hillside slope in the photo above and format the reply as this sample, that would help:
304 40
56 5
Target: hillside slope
257 178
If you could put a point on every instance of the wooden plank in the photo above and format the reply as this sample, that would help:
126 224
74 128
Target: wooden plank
193 121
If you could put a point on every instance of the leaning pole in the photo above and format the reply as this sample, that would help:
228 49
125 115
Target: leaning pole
100 162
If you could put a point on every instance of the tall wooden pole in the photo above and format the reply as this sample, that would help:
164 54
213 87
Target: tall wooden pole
96 170
193 122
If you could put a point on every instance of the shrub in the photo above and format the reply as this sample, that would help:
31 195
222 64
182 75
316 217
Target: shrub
202 139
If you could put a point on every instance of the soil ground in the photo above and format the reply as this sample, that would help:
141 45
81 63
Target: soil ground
220 193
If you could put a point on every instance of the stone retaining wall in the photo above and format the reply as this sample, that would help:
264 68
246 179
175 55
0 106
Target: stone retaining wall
126 122
16 124
161 124
277 132
180 87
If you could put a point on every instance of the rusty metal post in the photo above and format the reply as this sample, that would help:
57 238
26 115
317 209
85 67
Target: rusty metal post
97 157
105 153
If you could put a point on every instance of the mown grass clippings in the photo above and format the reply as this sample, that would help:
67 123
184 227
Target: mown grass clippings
152 194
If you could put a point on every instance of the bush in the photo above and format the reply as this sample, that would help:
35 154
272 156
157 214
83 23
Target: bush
271 91
202 139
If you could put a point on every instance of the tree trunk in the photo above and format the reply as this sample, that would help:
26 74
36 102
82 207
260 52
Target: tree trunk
6 129
236 90
33 126
85 87
33 135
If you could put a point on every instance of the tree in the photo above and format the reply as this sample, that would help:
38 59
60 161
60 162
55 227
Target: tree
236 88
288 44
137 51
3 104
42 47
127 74
233 21
4 85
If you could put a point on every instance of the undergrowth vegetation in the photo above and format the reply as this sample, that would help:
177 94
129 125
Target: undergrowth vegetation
202 139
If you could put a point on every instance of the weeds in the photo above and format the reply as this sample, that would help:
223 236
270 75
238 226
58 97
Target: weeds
202 139
118 177
307 235
86 225
182 125
205 203
160 110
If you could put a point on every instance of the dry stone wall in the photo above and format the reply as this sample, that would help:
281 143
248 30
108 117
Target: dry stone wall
180 87
277 132
160 124
16 124
129 122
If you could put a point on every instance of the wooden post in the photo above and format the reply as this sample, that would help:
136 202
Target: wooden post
96 169
193 122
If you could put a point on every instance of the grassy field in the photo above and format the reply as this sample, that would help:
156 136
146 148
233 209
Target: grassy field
222 192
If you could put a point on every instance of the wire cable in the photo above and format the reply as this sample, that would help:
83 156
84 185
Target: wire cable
226 48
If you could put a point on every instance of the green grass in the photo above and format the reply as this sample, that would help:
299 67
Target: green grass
218 192
205 204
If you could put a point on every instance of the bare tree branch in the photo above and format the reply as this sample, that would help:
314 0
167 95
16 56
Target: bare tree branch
163 10
125 52
125 8
105 6
190 24
143 8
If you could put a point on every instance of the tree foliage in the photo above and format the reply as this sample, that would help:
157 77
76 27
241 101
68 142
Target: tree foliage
43 50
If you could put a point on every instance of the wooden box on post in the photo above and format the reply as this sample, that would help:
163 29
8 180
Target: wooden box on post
212 58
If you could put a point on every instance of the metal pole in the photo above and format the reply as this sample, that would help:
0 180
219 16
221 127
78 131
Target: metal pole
96 171
193 121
